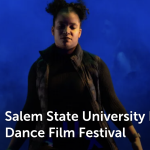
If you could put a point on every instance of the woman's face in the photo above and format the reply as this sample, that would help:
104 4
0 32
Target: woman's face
67 30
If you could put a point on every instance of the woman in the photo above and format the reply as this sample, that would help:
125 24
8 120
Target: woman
68 79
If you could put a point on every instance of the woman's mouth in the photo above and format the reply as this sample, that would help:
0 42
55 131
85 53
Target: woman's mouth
66 38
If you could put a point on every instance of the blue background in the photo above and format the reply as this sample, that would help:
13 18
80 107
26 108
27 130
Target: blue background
117 31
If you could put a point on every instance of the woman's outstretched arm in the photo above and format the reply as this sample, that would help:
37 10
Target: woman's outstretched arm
112 105
32 106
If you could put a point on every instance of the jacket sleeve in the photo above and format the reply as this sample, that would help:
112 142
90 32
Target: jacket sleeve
32 106
110 101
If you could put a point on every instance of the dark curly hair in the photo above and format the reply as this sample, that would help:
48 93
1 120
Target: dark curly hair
57 5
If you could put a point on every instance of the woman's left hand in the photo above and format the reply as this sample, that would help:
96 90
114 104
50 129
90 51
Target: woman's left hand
136 145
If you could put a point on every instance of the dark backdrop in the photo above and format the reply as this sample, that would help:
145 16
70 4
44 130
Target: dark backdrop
117 31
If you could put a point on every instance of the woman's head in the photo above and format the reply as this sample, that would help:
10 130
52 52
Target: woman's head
67 19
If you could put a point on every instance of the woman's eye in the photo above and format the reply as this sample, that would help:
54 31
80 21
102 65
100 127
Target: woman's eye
61 26
72 27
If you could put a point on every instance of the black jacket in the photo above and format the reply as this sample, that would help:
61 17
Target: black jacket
88 66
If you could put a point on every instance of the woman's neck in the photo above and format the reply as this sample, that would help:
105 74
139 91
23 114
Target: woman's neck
65 51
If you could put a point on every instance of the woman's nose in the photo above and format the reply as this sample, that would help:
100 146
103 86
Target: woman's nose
66 30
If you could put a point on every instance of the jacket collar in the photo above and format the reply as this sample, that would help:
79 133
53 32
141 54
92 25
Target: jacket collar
47 54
